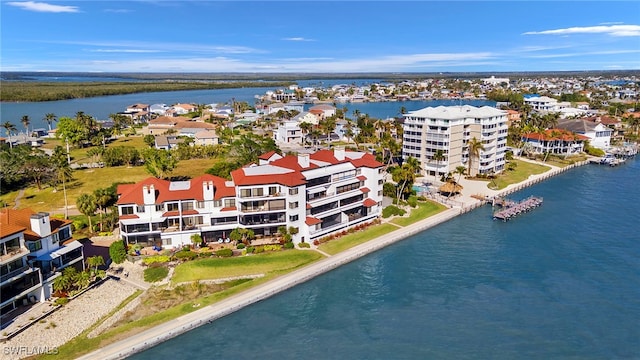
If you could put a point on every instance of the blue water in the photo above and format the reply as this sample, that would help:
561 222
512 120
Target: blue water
560 282
102 107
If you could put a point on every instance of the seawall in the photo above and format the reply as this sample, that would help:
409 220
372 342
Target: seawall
158 334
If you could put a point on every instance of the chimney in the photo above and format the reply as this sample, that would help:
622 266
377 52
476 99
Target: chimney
41 224
339 152
303 160
149 194
207 190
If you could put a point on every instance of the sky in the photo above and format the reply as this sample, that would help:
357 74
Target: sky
319 36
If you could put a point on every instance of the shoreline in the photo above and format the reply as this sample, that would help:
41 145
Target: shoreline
160 333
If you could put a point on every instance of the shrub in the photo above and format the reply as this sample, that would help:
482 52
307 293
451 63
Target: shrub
156 259
304 245
392 210
79 224
117 252
412 201
259 249
251 249
185 255
224 253
62 301
155 274
316 242
240 246
289 245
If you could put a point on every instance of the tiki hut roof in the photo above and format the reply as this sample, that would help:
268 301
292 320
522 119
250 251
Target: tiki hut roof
450 187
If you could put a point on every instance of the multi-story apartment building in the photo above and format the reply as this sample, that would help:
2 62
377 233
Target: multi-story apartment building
32 255
316 194
449 129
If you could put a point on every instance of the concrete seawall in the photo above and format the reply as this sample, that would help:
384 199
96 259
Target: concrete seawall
158 334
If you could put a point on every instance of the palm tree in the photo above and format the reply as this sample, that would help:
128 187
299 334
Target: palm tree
9 128
460 170
438 156
475 147
26 121
63 173
305 127
103 197
86 204
50 118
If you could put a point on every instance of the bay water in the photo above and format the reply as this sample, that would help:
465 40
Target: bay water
560 282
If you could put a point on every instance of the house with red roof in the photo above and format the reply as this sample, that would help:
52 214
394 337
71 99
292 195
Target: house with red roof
34 249
555 141
317 194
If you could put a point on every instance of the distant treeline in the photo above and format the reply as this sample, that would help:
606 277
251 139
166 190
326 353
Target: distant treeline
50 91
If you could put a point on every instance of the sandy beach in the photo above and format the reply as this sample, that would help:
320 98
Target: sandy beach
467 201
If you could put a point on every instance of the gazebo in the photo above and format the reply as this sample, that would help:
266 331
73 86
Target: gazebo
450 187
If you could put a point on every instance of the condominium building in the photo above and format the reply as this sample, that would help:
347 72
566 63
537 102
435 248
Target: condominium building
315 194
450 129
32 256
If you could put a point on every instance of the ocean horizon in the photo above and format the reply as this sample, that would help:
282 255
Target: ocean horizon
559 282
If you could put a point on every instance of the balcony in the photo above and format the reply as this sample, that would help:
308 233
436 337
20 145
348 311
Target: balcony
13 253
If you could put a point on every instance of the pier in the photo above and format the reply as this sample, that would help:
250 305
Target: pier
513 209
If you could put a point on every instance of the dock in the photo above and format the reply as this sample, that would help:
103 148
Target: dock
512 209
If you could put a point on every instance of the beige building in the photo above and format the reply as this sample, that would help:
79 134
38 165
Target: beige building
450 129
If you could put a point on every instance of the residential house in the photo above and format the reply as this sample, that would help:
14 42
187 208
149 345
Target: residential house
34 249
318 194
541 103
206 137
599 134
555 141
323 110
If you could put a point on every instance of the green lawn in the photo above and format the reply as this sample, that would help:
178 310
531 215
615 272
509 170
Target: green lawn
348 241
422 211
522 172
264 263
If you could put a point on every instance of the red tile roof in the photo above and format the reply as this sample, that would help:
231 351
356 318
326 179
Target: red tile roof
365 189
266 156
14 221
230 208
132 193
368 202
556 134
362 178
132 216
312 221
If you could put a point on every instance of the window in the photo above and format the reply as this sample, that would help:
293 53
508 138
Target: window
34 245
159 207
172 207
55 238
230 203
200 204
293 218
273 190
293 205
217 203
140 208
126 210
293 191
187 205
166 242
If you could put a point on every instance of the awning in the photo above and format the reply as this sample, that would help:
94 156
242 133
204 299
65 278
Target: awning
61 251
368 202
317 190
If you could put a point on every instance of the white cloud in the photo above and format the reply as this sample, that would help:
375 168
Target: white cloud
586 53
136 51
297 39
613 30
43 7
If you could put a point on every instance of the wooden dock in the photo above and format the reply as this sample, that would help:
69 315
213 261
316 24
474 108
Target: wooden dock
514 209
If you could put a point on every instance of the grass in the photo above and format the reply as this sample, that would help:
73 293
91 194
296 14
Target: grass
422 211
264 263
155 274
89 180
523 170
348 241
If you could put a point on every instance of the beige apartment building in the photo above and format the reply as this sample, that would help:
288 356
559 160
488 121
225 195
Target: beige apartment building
450 129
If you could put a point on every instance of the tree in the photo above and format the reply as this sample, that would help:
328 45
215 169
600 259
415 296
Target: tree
159 163
475 147
404 176
9 128
25 122
95 261
438 156
63 173
150 140
196 239
460 170
118 252
86 204
103 198
49 118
